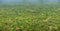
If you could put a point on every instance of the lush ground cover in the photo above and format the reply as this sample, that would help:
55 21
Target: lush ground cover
28 17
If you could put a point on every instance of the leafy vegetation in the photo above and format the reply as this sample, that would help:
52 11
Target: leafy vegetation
30 17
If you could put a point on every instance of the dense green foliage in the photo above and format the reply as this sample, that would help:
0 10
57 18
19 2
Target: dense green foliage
25 17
